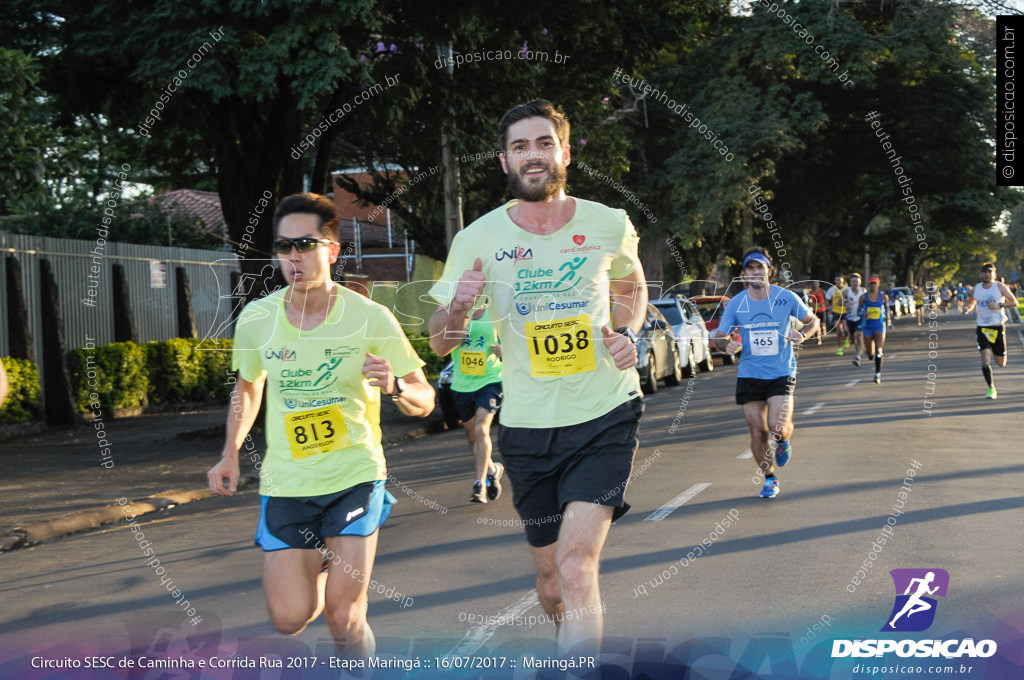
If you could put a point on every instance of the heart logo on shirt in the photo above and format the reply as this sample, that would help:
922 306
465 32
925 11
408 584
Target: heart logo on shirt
579 239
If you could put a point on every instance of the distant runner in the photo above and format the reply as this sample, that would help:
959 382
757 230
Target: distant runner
836 297
873 311
854 295
476 390
990 297
766 377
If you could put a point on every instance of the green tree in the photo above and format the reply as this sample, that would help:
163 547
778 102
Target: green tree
24 136
799 132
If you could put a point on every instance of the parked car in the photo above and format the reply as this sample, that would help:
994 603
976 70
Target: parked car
909 306
656 352
711 308
691 333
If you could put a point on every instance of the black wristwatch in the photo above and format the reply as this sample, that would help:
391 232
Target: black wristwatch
399 387
628 332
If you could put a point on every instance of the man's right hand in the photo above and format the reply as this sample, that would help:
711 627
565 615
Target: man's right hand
470 287
227 467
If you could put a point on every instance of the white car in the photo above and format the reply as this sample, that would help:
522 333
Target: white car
909 306
691 334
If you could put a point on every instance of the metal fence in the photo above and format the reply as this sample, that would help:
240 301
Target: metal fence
79 266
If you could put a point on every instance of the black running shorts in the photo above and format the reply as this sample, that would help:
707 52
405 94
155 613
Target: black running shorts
487 397
755 389
589 462
992 338
287 522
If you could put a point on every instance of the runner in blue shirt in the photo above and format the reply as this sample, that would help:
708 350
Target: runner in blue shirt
874 309
766 377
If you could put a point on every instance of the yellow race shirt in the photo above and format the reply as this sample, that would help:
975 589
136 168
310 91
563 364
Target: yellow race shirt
549 296
323 418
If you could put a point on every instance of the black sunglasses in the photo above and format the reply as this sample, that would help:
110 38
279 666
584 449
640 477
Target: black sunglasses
302 245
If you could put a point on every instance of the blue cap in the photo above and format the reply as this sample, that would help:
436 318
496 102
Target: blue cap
757 257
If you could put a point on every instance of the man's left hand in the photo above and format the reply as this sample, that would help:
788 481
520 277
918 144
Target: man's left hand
378 371
621 348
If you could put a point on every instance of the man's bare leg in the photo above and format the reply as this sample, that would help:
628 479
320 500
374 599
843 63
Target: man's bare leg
482 446
578 556
756 414
548 592
780 416
348 581
293 588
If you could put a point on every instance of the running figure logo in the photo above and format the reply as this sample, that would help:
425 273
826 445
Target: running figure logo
916 585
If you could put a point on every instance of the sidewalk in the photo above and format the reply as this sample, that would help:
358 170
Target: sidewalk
56 482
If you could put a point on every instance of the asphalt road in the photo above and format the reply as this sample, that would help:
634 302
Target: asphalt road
779 568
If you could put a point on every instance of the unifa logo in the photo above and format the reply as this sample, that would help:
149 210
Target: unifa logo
283 354
516 253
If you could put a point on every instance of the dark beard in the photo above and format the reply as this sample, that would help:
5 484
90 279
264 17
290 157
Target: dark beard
557 177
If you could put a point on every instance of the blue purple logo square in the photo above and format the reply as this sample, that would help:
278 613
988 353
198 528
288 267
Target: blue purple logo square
916 593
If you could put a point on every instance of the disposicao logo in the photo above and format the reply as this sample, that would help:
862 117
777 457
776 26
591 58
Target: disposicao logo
914 611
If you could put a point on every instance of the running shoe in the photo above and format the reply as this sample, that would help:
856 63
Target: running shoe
847 342
783 451
493 483
771 488
878 378
856 362
991 394
479 495
839 352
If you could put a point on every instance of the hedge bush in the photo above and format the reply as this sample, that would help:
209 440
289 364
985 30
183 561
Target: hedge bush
128 375
22 403
421 343
115 375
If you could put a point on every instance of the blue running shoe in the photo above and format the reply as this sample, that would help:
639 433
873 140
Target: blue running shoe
782 453
771 488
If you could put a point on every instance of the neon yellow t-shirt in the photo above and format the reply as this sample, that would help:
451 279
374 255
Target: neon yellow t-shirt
323 418
475 364
549 296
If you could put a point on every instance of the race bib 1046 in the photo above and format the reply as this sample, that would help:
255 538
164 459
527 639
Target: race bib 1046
472 362
560 347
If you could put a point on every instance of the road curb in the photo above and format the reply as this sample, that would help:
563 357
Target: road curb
71 523
84 520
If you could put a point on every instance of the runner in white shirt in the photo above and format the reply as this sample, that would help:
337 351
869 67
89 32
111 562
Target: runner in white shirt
989 296
854 296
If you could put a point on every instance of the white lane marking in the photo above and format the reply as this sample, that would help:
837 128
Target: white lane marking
746 454
890 356
677 502
812 410
852 383
477 636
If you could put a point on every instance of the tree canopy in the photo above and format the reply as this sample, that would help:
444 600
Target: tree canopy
248 97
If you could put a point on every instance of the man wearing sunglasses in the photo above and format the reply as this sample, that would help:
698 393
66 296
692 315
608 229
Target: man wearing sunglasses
547 263
326 356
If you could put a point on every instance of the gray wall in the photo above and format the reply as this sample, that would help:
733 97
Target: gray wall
209 273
